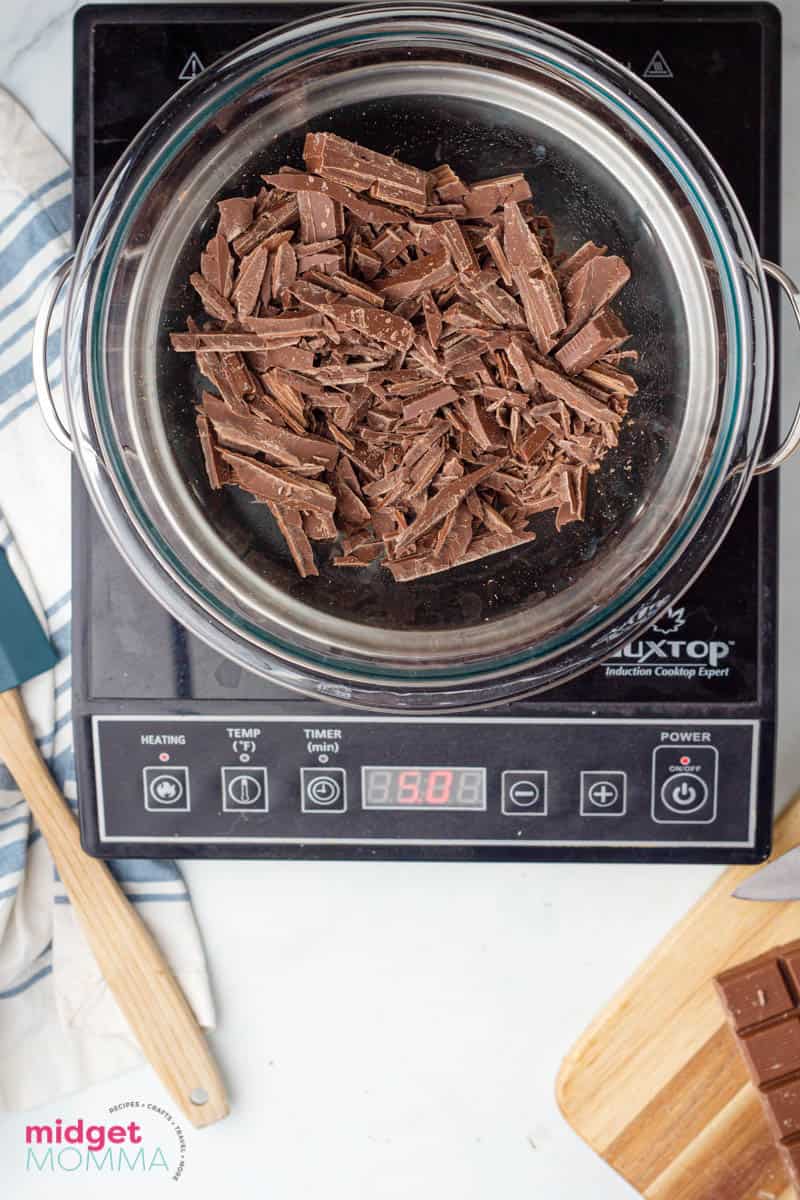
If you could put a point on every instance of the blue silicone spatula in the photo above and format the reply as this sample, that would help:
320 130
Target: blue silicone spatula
133 966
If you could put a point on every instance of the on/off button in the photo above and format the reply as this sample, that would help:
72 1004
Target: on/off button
684 793
684 784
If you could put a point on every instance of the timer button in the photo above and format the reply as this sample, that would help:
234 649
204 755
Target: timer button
524 793
323 790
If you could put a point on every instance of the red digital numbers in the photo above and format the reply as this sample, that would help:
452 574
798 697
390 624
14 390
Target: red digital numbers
424 787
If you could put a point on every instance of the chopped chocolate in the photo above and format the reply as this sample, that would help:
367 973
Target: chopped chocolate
356 167
429 271
599 335
609 379
235 215
429 402
214 302
247 291
520 243
321 216
284 269
402 363
215 469
579 259
593 286
279 486
580 401
271 221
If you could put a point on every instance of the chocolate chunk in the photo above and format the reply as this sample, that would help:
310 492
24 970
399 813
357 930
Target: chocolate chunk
384 327
247 291
352 287
215 468
235 215
579 259
369 212
593 286
290 523
218 342
426 273
609 379
576 398
445 500
259 436
216 265
490 194
321 216
277 485
297 326
599 335
360 169
543 312
520 243
284 269
270 222
214 302
429 402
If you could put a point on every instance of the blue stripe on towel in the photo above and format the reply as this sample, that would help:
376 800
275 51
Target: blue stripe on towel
40 192
47 223
23 987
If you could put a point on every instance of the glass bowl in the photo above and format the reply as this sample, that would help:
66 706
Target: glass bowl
490 93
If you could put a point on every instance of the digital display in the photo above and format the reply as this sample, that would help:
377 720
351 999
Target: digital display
424 787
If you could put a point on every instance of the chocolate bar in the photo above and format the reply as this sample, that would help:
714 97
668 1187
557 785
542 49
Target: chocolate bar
762 1002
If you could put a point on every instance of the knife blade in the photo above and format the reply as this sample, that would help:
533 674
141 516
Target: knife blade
778 880
24 649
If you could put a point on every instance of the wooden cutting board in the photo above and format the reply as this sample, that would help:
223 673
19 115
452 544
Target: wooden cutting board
656 1085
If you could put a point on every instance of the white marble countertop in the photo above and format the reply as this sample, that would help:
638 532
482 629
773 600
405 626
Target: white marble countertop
384 1028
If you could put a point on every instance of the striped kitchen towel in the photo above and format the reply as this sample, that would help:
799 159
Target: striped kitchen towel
60 1029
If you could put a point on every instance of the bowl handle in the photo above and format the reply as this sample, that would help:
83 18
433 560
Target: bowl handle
41 332
792 440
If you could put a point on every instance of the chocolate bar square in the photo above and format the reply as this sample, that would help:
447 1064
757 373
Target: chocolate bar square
762 1001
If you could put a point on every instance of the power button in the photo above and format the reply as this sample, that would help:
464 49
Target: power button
684 793
684 784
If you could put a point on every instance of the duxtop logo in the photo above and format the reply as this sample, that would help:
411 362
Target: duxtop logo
660 653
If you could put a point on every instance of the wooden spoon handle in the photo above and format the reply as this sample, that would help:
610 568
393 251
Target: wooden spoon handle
130 960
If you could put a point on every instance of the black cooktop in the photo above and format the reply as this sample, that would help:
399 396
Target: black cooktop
671 740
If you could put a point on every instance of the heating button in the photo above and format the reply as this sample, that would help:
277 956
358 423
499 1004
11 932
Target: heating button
166 789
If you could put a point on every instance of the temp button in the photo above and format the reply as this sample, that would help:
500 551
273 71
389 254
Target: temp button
245 789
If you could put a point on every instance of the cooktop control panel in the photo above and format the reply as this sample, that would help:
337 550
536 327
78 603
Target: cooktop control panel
301 782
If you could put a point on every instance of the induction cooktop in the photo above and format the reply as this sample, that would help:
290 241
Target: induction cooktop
664 752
